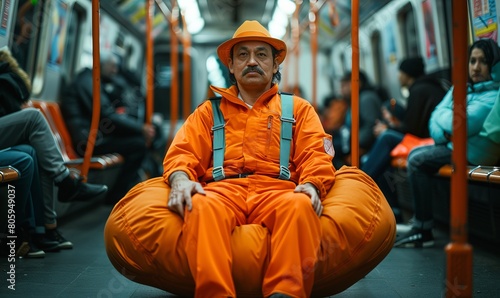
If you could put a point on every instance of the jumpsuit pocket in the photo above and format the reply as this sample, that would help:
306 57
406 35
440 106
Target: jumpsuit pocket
269 137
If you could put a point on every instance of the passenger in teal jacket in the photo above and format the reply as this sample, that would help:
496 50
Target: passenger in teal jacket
424 162
480 100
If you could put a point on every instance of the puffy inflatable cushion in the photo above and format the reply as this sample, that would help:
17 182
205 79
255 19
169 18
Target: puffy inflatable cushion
143 239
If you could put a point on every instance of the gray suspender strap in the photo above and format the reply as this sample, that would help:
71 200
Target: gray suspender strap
219 142
287 122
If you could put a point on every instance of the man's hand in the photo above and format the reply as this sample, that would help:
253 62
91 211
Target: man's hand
149 133
379 128
310 190
180 193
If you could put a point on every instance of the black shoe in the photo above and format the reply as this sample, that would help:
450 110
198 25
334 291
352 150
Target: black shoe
48 245
16 245
415 238
34 251
54 235
74 189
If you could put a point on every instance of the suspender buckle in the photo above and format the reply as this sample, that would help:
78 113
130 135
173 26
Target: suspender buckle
288 120
218 126
218 173
284 173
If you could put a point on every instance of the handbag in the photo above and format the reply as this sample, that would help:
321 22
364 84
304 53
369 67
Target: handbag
408 143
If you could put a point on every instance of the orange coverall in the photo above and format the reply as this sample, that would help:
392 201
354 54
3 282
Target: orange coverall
252 146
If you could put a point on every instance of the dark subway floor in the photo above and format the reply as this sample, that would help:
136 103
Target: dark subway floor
85 270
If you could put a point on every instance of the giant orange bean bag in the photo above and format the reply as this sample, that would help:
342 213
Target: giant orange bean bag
143 242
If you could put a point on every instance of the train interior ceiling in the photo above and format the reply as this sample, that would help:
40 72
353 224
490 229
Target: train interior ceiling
52 41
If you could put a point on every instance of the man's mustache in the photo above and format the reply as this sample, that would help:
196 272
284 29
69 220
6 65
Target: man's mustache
253 69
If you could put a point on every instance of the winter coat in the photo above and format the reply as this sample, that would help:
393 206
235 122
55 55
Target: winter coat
480 99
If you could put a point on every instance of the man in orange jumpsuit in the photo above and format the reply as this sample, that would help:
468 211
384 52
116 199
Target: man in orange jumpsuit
251 191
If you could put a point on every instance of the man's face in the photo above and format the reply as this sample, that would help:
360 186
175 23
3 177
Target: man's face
404 79
253 64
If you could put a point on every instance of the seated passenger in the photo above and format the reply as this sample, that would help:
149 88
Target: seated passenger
124 91
118 132
333 118
369 111
424 162
28 126
229 172
424 94
20 193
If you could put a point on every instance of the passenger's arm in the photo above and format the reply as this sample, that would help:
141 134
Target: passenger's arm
478 109
440 123
369 113
190 150
313 163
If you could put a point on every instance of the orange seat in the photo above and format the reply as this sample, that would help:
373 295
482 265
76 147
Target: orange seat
53 114
143 239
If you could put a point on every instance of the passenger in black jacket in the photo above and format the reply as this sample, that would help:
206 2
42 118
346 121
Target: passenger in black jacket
117 132
424 94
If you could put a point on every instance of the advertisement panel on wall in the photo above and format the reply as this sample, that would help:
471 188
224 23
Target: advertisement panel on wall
484 19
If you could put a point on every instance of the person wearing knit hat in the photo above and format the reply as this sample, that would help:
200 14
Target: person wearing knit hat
414 67
422 94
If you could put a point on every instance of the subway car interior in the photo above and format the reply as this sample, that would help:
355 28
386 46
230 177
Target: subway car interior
152 62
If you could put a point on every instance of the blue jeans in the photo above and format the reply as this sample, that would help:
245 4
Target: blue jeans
378 164
27 189
379 158
29 126
423 163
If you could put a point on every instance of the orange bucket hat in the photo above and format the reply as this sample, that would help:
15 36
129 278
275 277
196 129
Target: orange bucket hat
254 31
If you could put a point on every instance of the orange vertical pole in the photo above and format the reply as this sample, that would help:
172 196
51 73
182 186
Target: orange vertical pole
96 89
149 61
286 74
186 74
174 64
355 83
458 251
313 18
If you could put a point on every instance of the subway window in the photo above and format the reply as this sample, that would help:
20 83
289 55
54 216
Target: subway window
26 33
72 41
409 34
378 57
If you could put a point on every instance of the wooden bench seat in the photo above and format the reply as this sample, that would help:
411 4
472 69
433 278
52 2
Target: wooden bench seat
475 173
480 173
8 174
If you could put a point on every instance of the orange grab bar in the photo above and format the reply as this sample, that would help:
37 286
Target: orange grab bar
96 89
355 83
149 61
